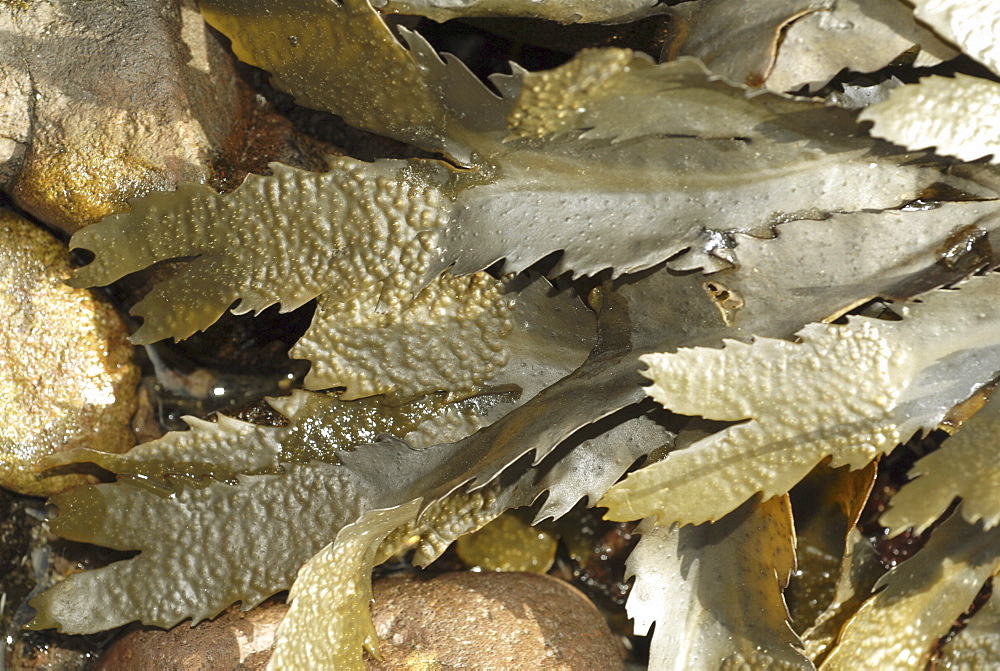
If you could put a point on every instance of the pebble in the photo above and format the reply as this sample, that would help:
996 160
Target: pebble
451 620
101 102
234 640
489 621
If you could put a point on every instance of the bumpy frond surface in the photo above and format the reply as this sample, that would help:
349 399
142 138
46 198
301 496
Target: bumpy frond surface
919 600
850 392
607 159
965 466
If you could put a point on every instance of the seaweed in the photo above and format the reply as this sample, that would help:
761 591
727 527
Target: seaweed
820 295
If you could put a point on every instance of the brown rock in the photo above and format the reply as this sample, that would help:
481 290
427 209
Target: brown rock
66 373
104 101
453 620
489 620
234 640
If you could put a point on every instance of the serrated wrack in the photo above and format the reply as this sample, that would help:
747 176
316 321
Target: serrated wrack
918 601
964 466
226 511
714 591
933 113
338 57
849 392
971 24
607 158
282 239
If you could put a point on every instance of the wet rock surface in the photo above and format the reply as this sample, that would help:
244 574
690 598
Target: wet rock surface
102 101
489 620
66 374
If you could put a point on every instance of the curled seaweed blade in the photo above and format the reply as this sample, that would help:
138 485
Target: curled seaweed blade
860 569
341 57
714 591
328 621
964 466
827 507
735 41
586 465
332 591
857 35
849 392
918 601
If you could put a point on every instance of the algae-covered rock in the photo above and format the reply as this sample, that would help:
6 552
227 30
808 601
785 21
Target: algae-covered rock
104 101
66 373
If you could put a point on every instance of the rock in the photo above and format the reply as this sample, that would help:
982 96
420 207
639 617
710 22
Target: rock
489 620
461 619
234 640
102 101
66 373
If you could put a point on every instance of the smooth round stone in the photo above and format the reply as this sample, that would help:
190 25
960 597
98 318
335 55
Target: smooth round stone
234 640
489 620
